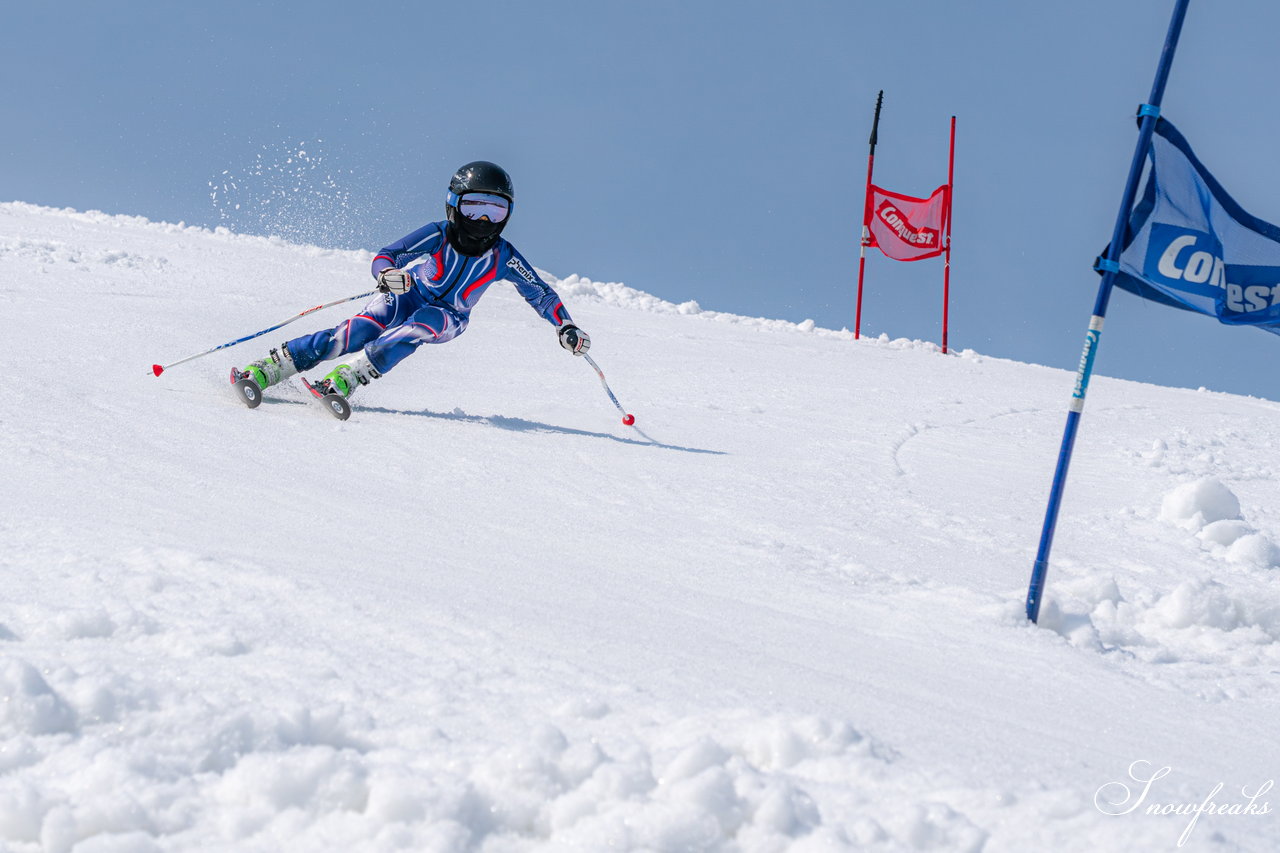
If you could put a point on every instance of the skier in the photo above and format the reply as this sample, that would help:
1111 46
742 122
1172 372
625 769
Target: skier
429 282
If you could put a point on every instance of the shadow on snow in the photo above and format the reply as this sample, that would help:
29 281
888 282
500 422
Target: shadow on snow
522 425
517 425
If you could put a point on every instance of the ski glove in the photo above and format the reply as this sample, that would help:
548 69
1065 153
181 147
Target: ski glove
574 339
392 280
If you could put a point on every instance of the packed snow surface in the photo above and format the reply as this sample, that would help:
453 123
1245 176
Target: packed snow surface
784 612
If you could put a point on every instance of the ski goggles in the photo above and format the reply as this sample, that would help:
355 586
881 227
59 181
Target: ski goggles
482 206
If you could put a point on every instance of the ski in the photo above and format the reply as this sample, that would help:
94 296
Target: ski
248 392
336 404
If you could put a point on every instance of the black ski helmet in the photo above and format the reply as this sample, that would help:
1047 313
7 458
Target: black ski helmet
470 236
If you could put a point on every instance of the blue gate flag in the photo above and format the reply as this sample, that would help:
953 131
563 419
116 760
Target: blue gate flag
1190 245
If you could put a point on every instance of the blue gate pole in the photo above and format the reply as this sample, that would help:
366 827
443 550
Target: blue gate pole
1110 265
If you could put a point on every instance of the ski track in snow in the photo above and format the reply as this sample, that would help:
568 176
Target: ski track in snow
483 615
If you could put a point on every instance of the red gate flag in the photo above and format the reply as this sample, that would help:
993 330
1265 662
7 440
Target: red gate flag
907 228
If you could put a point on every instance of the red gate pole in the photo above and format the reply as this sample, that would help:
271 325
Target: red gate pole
946 267
866 218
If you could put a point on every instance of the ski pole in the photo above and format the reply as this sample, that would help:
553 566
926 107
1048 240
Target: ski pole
627 419
157 369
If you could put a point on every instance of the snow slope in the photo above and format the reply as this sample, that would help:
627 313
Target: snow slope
484 615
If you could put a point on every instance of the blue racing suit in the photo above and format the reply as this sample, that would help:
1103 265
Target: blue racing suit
447 285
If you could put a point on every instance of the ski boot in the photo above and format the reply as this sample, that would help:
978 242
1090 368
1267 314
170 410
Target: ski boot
259 375
345 378
340 383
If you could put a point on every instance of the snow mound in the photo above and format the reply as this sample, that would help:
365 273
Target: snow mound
28 705
1226 614
267 749
1194 505
1202 623
1209 509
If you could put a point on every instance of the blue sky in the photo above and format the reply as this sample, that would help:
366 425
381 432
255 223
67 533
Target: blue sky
694 150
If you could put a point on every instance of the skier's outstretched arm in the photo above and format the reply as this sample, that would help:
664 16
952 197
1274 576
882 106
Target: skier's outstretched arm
543 299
